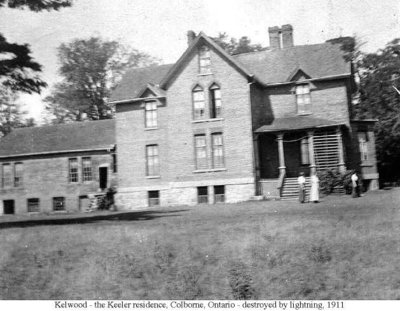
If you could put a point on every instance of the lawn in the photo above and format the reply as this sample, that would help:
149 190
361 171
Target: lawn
341 248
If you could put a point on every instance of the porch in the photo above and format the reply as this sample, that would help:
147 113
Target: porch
289 146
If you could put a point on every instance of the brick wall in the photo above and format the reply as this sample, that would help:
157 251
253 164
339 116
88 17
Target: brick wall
47 177
175 138
329 101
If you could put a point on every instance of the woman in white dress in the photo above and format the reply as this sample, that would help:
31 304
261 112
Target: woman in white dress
314 192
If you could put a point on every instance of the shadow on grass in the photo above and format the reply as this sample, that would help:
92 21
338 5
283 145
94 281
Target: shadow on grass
89 218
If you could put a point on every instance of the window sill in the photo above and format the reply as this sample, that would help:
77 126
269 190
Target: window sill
153 177
208 120
366 164
304 114
150 128
205 74
210 170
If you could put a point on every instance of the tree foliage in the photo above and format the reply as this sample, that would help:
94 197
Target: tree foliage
90 69
11 115
379 77
18 71
36 5
234 46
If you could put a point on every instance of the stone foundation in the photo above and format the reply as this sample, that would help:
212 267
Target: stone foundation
129 199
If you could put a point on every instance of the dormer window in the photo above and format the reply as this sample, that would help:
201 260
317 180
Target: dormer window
303 99
204 60
198 103
215 102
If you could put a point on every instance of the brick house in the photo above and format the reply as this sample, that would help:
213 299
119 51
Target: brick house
214 127
56 168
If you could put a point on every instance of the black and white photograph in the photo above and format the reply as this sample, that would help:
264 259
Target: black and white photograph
209 154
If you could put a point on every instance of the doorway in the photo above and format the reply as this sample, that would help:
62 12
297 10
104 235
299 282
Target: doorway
103 175
8 207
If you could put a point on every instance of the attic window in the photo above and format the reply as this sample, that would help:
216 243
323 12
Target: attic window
204 60
303 99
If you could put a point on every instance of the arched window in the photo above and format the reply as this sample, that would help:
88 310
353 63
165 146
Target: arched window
198 103
216 102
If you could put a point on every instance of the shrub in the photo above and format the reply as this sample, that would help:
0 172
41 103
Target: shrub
328 180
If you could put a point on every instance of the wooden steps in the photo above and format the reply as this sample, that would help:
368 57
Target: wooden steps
290 189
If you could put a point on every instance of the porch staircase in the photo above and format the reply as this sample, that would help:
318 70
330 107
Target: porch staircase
290 189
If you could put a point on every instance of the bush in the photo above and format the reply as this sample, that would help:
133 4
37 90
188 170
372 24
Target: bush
328 180
331 179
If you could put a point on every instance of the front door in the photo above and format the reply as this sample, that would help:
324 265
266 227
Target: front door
8 206
103 172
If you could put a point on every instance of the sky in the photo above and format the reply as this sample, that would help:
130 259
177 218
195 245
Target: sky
159 27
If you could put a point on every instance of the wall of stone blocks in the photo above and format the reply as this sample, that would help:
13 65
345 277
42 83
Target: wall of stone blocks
177 195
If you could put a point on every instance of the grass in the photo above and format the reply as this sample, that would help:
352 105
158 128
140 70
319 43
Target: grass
341 248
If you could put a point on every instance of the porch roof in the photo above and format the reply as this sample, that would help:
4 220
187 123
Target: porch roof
296 123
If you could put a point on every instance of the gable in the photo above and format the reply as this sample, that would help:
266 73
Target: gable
192 50
298 75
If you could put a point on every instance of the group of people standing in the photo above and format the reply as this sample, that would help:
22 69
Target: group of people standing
314 191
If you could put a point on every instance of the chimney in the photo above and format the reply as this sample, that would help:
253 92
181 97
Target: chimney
191 35
274 37
287 36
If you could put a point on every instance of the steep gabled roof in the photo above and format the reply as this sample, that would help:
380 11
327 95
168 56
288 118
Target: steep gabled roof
135 80
78 136
275 66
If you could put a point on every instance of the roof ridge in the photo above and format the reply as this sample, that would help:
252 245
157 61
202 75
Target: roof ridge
61 124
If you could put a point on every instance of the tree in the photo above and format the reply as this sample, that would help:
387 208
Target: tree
234 46
18 71
90 69
11 115
379 99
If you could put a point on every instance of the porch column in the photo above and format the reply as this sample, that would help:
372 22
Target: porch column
282 167
313 167
341 164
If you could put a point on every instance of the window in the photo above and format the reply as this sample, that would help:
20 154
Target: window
87 169
204 60
305 155
216 103
217 150
202 195
198 103
154 198
219 194
59 204
33 205
303 99
114 162
200 151
73 170
18 172
151 114
7 180
363 144
152 161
